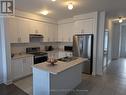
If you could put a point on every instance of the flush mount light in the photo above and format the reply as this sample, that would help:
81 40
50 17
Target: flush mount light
120 21
53 0
70 6
45 12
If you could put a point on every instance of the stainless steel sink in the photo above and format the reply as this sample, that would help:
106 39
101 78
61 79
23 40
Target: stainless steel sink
67 59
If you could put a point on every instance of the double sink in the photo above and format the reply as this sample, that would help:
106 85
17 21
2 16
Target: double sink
67 59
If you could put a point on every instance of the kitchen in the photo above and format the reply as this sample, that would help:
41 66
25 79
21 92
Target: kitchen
48 33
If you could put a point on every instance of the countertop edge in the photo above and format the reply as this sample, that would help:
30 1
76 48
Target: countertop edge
62 70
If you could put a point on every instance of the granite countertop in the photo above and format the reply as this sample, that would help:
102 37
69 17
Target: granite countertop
59 67
16 56
56 51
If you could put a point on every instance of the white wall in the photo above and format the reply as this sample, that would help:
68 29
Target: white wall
1 65
100 42
116 41
123 41
109 26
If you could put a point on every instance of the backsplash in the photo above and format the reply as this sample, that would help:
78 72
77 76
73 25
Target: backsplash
17 48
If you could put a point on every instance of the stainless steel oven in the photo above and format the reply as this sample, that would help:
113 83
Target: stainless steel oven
39 56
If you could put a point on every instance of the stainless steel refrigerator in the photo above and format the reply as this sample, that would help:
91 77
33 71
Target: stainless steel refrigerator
83 47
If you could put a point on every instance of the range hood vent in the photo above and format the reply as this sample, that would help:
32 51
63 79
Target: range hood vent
36 36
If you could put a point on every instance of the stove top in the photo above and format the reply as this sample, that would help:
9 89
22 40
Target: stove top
38 53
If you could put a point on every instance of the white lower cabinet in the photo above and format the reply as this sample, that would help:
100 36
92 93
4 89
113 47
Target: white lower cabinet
17 68
22 67
59 54
27 66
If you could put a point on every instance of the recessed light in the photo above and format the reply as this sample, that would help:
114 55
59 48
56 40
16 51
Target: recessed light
53 0
45 12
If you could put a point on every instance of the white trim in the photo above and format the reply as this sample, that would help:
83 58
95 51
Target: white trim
1 63
26 15
66 21
92 15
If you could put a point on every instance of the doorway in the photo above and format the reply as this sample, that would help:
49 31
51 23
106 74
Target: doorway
106 43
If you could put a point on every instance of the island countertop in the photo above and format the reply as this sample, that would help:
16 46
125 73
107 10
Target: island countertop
59 67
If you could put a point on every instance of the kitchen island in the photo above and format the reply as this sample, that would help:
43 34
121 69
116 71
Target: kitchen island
58 79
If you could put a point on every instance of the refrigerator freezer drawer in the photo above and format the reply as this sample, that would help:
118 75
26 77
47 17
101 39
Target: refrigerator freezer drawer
86 67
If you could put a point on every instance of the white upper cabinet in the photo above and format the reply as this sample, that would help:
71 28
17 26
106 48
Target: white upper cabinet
11 27
44 28
65 32
35 27
49 31
79 27
88 26
60 33
23 30
84 26
52 33
18 30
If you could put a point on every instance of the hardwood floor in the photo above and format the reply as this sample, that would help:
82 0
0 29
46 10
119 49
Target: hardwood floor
10 90
113 82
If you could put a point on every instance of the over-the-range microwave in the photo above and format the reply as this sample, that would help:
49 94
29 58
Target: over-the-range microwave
36 38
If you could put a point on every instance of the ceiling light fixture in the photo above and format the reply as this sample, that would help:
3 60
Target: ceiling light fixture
45 12
53 0
70 6
120 20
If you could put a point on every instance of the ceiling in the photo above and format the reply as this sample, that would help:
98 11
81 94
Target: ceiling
59 9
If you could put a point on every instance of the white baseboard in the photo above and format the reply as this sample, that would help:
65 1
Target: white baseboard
8 83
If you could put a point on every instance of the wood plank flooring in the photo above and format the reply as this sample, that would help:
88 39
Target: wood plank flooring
113 82
10 90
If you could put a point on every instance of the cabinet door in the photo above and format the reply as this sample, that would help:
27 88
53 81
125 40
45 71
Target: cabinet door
27 66
70 32
79 27
69 54
52 33
62 54
35 27
44 29
66 32
88 26
17 68
60 33
23 30
12 30
84 26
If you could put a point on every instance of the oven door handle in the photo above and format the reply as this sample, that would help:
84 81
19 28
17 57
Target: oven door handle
40 56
